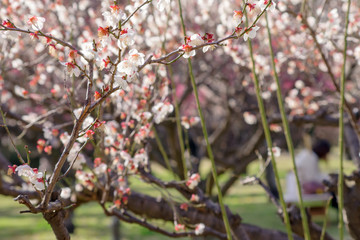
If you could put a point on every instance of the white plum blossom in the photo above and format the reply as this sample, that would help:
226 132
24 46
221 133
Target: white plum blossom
126 38
189 122
333 14
113 17
86 180
199 229
79 187
143 133
88 121
74 155
88 51
275 127
263 3
140 158
108 141
238 17
282 6
81 176
110 19
37 23
250 118
276 151
357 53
194 198
145 116
72 69
315 107
293 102
121 82
11 35
161 4
207 47
21 92
195 40
126 156
299 84
65 193
312 21
100 169
82 139
29 117
79 161
65 138
293 93
185 124
35 177
193 181
188 51
127 67
131 163
161 110
47 129
25 170
110 128
136 57
17 63
38 181
77 112
251 33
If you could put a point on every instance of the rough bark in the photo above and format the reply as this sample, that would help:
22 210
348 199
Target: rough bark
351 201
293 211
352 209
296 225
159 209
57 223
258 233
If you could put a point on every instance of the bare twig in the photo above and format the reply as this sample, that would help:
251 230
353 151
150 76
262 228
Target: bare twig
73 162
9 135
59 41
49 113
132 14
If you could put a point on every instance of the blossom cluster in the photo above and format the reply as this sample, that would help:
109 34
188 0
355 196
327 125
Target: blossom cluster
36 178
108 53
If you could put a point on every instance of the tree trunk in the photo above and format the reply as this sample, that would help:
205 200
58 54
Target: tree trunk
56 221
159 209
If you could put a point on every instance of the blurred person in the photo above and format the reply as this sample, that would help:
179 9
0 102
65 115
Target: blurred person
307 163
310 176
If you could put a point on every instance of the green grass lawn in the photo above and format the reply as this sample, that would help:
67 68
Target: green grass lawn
250 202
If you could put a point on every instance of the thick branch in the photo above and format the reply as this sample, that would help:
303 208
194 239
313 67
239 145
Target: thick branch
295 217
56 221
